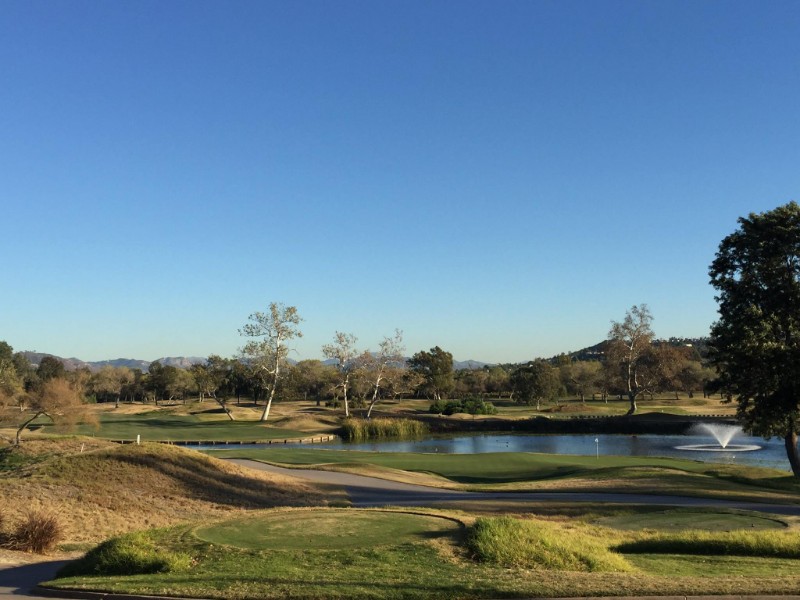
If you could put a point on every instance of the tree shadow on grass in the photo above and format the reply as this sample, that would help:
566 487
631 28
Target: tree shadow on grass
202 479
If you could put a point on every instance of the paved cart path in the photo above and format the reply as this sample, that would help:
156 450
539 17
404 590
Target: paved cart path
19 580
371 491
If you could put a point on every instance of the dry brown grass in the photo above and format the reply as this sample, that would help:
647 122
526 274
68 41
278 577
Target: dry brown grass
310 423
109 489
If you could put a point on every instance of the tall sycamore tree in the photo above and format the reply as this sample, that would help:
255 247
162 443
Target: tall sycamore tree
630 356
343 351
266 353
381 364
755 344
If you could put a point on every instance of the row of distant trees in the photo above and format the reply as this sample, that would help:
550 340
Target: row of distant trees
48 390
630 364
754 350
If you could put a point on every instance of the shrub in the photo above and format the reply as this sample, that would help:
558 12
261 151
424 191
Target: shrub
471 406
130 554
437 408
38 532
477 406
532 544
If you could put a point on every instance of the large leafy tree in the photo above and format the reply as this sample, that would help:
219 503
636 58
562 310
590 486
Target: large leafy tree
10 380
581 377
212 379
755 344
267 351
310 379
110 381
436 370
534 382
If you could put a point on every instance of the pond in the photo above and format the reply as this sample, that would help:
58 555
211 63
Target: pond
770 454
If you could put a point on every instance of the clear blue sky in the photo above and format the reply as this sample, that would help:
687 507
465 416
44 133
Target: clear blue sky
501 179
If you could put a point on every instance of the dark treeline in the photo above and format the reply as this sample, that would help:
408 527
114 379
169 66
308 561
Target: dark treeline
673 367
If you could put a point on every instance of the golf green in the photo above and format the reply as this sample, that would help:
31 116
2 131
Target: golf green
681 519
326 529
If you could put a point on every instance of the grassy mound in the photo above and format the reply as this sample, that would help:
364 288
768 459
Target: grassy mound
533 544
113 489
130 554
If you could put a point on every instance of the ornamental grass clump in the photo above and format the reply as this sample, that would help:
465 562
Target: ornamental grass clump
767 544
357 430
38 532
532 544
130 554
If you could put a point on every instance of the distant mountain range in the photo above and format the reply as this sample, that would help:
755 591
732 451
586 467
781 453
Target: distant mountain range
181 362
72 364
595 352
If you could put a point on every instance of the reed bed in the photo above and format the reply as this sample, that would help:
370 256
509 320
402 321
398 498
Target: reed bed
359 430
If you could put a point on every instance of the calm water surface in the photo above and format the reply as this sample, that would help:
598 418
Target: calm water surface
771 454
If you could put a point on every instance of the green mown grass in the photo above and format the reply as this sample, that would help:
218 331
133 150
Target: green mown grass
680 519
158 426
426 562
524 470
493 467
729 567
331 530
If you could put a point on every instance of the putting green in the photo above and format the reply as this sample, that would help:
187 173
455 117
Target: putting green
326 529
669 520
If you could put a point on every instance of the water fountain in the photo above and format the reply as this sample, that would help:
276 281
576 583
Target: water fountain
723 433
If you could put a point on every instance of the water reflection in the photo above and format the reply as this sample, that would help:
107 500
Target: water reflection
771 454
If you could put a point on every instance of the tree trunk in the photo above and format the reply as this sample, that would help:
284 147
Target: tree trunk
790 441
374 397
265 413
31 420
632 409
223 403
